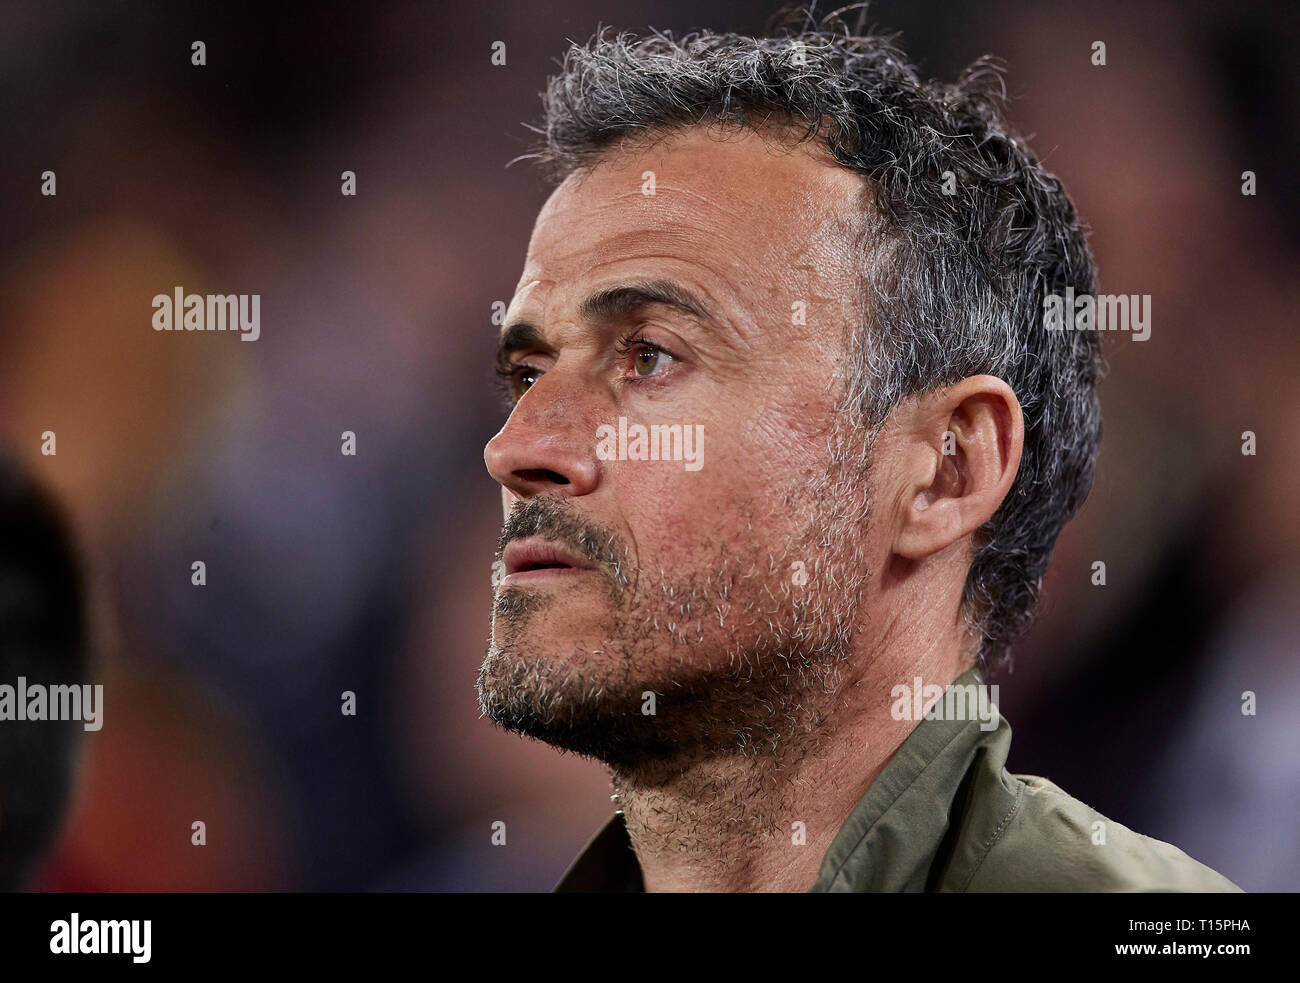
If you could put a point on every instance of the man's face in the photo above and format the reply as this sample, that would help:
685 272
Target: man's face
725 577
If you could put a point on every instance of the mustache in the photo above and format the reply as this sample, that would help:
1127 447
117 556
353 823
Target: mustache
554 519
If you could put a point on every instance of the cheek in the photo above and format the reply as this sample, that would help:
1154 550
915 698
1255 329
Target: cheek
744 495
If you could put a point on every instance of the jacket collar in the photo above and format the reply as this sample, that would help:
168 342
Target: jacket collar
901 836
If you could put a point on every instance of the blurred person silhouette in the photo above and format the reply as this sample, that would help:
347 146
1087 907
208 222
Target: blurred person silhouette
43 639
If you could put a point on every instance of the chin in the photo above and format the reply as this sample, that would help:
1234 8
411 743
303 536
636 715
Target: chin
566 699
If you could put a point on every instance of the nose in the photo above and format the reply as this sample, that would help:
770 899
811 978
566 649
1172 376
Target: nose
545 446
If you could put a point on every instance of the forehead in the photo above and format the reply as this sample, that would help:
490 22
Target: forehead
739 207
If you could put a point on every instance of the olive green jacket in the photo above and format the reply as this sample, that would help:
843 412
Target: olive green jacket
945 815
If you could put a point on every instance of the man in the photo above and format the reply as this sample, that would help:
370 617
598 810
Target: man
789 450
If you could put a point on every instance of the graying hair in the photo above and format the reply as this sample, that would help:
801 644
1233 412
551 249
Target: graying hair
953 284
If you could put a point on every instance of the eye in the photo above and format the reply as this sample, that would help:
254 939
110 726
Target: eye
515 380
645 360
524 377
648 359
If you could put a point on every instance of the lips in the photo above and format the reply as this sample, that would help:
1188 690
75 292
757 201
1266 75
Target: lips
534 554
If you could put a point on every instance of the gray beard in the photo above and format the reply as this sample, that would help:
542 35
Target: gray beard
786 644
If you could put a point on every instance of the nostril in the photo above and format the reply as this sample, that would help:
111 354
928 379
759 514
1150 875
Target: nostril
542 476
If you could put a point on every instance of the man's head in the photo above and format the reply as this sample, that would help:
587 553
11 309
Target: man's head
834 274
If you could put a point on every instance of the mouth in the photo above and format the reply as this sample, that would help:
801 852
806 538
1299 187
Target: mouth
532 558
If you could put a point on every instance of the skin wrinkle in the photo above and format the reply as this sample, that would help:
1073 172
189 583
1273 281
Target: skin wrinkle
641 245
726 313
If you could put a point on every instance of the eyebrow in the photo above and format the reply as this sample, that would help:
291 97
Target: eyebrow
608 304
612 303
516 338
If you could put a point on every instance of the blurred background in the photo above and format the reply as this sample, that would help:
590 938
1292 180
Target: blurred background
371 573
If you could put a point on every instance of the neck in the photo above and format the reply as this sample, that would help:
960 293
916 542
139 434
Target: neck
763 821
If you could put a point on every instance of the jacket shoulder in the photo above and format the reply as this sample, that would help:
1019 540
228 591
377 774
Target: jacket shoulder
1053 842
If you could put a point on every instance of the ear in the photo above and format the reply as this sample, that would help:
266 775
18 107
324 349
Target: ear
961 450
